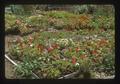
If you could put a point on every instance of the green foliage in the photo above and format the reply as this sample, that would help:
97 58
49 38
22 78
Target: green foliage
53 73
38 54
78 9
108 63
59 14
9 21
38 21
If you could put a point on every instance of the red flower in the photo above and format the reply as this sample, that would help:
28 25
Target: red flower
73 60
94 52
77 49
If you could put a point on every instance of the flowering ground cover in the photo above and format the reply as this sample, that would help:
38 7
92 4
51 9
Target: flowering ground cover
55 54
62 44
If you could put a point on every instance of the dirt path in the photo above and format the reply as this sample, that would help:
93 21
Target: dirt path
9 68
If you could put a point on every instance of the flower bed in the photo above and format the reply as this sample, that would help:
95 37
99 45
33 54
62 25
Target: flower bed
58 20
55 54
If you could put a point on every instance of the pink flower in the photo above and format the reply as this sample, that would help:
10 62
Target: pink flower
49 49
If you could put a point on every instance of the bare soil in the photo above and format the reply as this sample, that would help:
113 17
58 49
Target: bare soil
9 70
9 67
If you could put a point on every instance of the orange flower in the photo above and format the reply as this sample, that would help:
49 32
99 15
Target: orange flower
55 46
77 49
18 22
40 47
30 39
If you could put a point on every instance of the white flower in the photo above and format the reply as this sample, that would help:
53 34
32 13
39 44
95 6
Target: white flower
64 59
17 48
39 58
44 59
48 59
77 64
95 36
98 39
53 39
18 51
31 45
87 37
92 42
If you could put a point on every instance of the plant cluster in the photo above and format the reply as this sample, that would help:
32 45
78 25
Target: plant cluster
52 56
58 20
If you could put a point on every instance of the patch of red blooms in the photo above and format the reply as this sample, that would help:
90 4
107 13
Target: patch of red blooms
74 60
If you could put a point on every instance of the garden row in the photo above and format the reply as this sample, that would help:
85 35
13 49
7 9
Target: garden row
52 55
56 20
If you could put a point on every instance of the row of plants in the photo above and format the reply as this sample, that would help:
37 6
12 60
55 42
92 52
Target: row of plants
57 20
52 56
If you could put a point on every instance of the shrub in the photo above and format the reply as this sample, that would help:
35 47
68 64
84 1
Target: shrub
53 73
38 21
56 23
10 20
59 14
102 22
